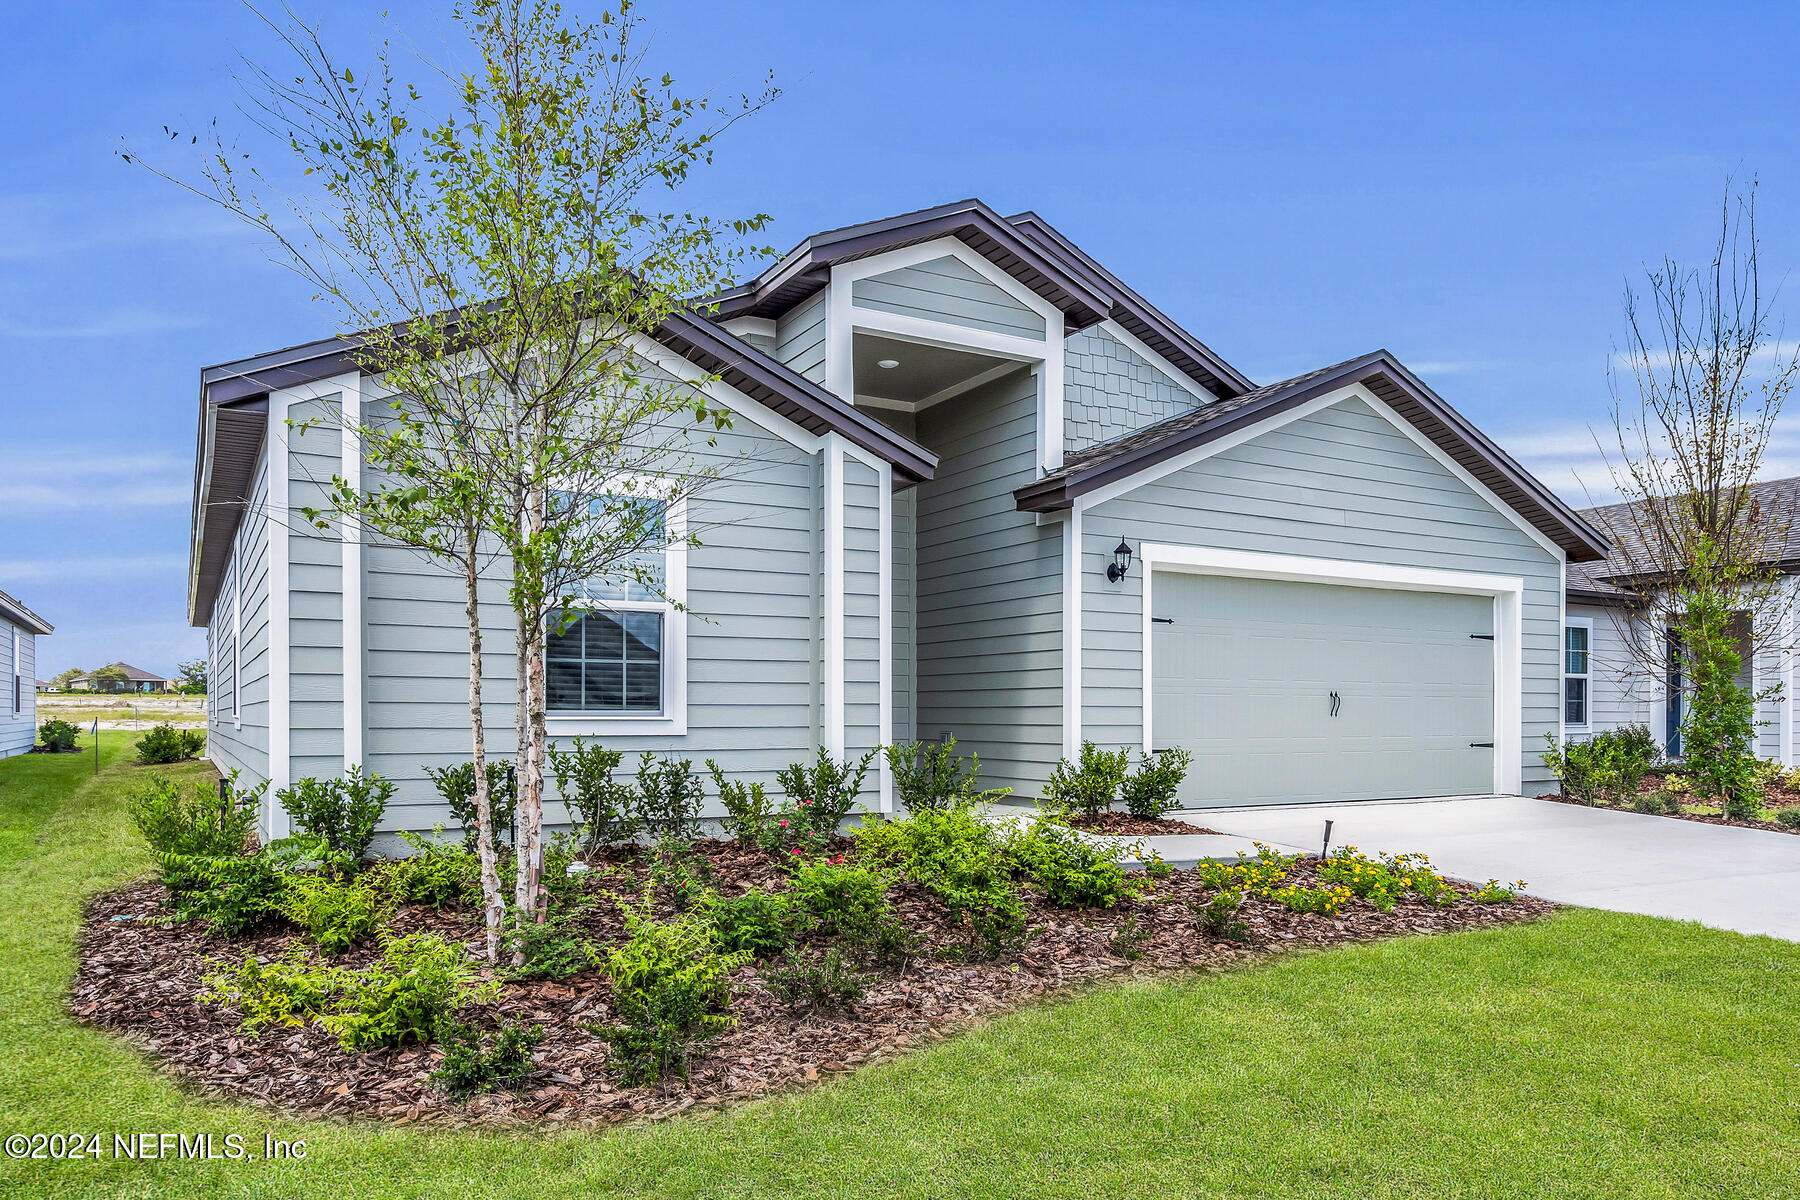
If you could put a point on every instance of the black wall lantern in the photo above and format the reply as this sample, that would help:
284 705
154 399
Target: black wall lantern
1121 563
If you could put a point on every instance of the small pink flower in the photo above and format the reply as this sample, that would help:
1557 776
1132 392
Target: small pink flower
783 824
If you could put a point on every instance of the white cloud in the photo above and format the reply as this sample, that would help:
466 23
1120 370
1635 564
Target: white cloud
113 567
1573 462
40 479
120 322
1453 366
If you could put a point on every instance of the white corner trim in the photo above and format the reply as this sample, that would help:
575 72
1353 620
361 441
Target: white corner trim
953 247
279 551
237 629
1507 592
884 482
1786 706
350 585
1072 635
722 393
831 731
1175 374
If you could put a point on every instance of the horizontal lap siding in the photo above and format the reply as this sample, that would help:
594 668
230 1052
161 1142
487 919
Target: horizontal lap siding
1341 484
800 338
752 639
947 289
243 745
989 599
315 595
862 611
18 730
1111 390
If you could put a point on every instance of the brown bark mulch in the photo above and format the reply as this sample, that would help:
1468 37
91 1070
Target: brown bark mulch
1125 825
139 978
1775 795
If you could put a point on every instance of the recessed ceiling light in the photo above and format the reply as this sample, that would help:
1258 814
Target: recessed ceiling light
888 364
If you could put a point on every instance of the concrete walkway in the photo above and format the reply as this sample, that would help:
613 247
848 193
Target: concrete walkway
1729 878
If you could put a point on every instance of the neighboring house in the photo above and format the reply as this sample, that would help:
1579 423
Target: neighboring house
20 629
44 686
1336 587
1619 670
137 680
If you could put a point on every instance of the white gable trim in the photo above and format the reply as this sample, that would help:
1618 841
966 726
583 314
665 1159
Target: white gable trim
1175 374
1318 404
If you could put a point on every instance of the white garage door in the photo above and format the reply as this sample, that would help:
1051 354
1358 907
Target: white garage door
1288 692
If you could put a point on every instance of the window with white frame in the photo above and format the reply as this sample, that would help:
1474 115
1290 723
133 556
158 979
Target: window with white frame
18 661
1578 638
612 653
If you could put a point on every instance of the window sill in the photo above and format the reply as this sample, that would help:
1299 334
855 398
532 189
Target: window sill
573 724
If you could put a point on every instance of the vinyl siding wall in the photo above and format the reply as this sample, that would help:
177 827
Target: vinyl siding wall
906 618
800 338
949 290
1111 390
315 595
989 589
1344 484
18 729
242 743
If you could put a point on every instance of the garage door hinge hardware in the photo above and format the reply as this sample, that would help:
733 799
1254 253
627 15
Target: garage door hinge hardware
1486 745
1162 620
1482 637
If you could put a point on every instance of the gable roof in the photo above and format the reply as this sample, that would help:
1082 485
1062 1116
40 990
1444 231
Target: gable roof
23 617
1023 245
234 405
1383 375
135 674
1629 557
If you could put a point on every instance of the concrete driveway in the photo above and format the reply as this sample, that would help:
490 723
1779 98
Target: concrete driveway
1728 878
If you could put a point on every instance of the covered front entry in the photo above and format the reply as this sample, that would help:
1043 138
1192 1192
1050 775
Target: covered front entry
1290 691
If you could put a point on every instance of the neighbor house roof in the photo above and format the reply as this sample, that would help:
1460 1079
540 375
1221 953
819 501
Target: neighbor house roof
135 674
1383 375
1024 246
234 400
1630 556
23 617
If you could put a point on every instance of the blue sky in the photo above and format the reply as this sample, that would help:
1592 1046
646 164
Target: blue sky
1293 183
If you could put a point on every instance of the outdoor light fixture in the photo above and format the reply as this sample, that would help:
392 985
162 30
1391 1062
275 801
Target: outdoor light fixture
1121 563
888 364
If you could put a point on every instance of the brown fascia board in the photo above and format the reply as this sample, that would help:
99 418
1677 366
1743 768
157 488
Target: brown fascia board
1143 319
1083 300
1598 599
1383 375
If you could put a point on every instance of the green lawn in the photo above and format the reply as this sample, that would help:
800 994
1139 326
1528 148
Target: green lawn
1588 1056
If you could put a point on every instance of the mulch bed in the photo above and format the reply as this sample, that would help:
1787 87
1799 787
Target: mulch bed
1125 825
139 979
1774 796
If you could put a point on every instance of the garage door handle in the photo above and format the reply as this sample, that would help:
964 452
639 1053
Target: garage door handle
1486 745
1335 701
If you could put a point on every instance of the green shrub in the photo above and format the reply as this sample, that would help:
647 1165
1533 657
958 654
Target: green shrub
437 873
285 991
668 797
1090 787
456 784
341 813
1258 876
1129 940
749 813
599 803
231 894
933 775
1325 902
418 981
839 897
1150 791
335 915
678 871
758 921
822 982
1073 871
670 987
1220 916
167 744
472 1066
1636 742
1788 818
962 860
1657 803
1718 720
823 793
57 735
203 822
554 948
1605 768
1492 892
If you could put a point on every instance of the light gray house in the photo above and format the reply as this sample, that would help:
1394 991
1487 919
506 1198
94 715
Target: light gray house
20 629
1619 666
1336 587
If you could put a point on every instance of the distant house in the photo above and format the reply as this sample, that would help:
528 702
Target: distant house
140 681
44 686
20 629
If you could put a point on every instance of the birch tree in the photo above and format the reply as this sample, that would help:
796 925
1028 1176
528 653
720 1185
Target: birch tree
502 239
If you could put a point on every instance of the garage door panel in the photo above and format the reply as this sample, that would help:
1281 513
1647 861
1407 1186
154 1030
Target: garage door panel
1243 675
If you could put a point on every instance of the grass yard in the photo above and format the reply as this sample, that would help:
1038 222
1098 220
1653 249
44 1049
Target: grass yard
1591 1055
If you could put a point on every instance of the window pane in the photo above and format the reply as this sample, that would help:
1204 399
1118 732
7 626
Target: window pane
640 574
606 662
562 683
1575 650
1575 701
603 686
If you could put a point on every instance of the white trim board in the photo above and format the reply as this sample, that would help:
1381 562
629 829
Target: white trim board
1563 728
1507 592
1073 635
351 589
831 732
